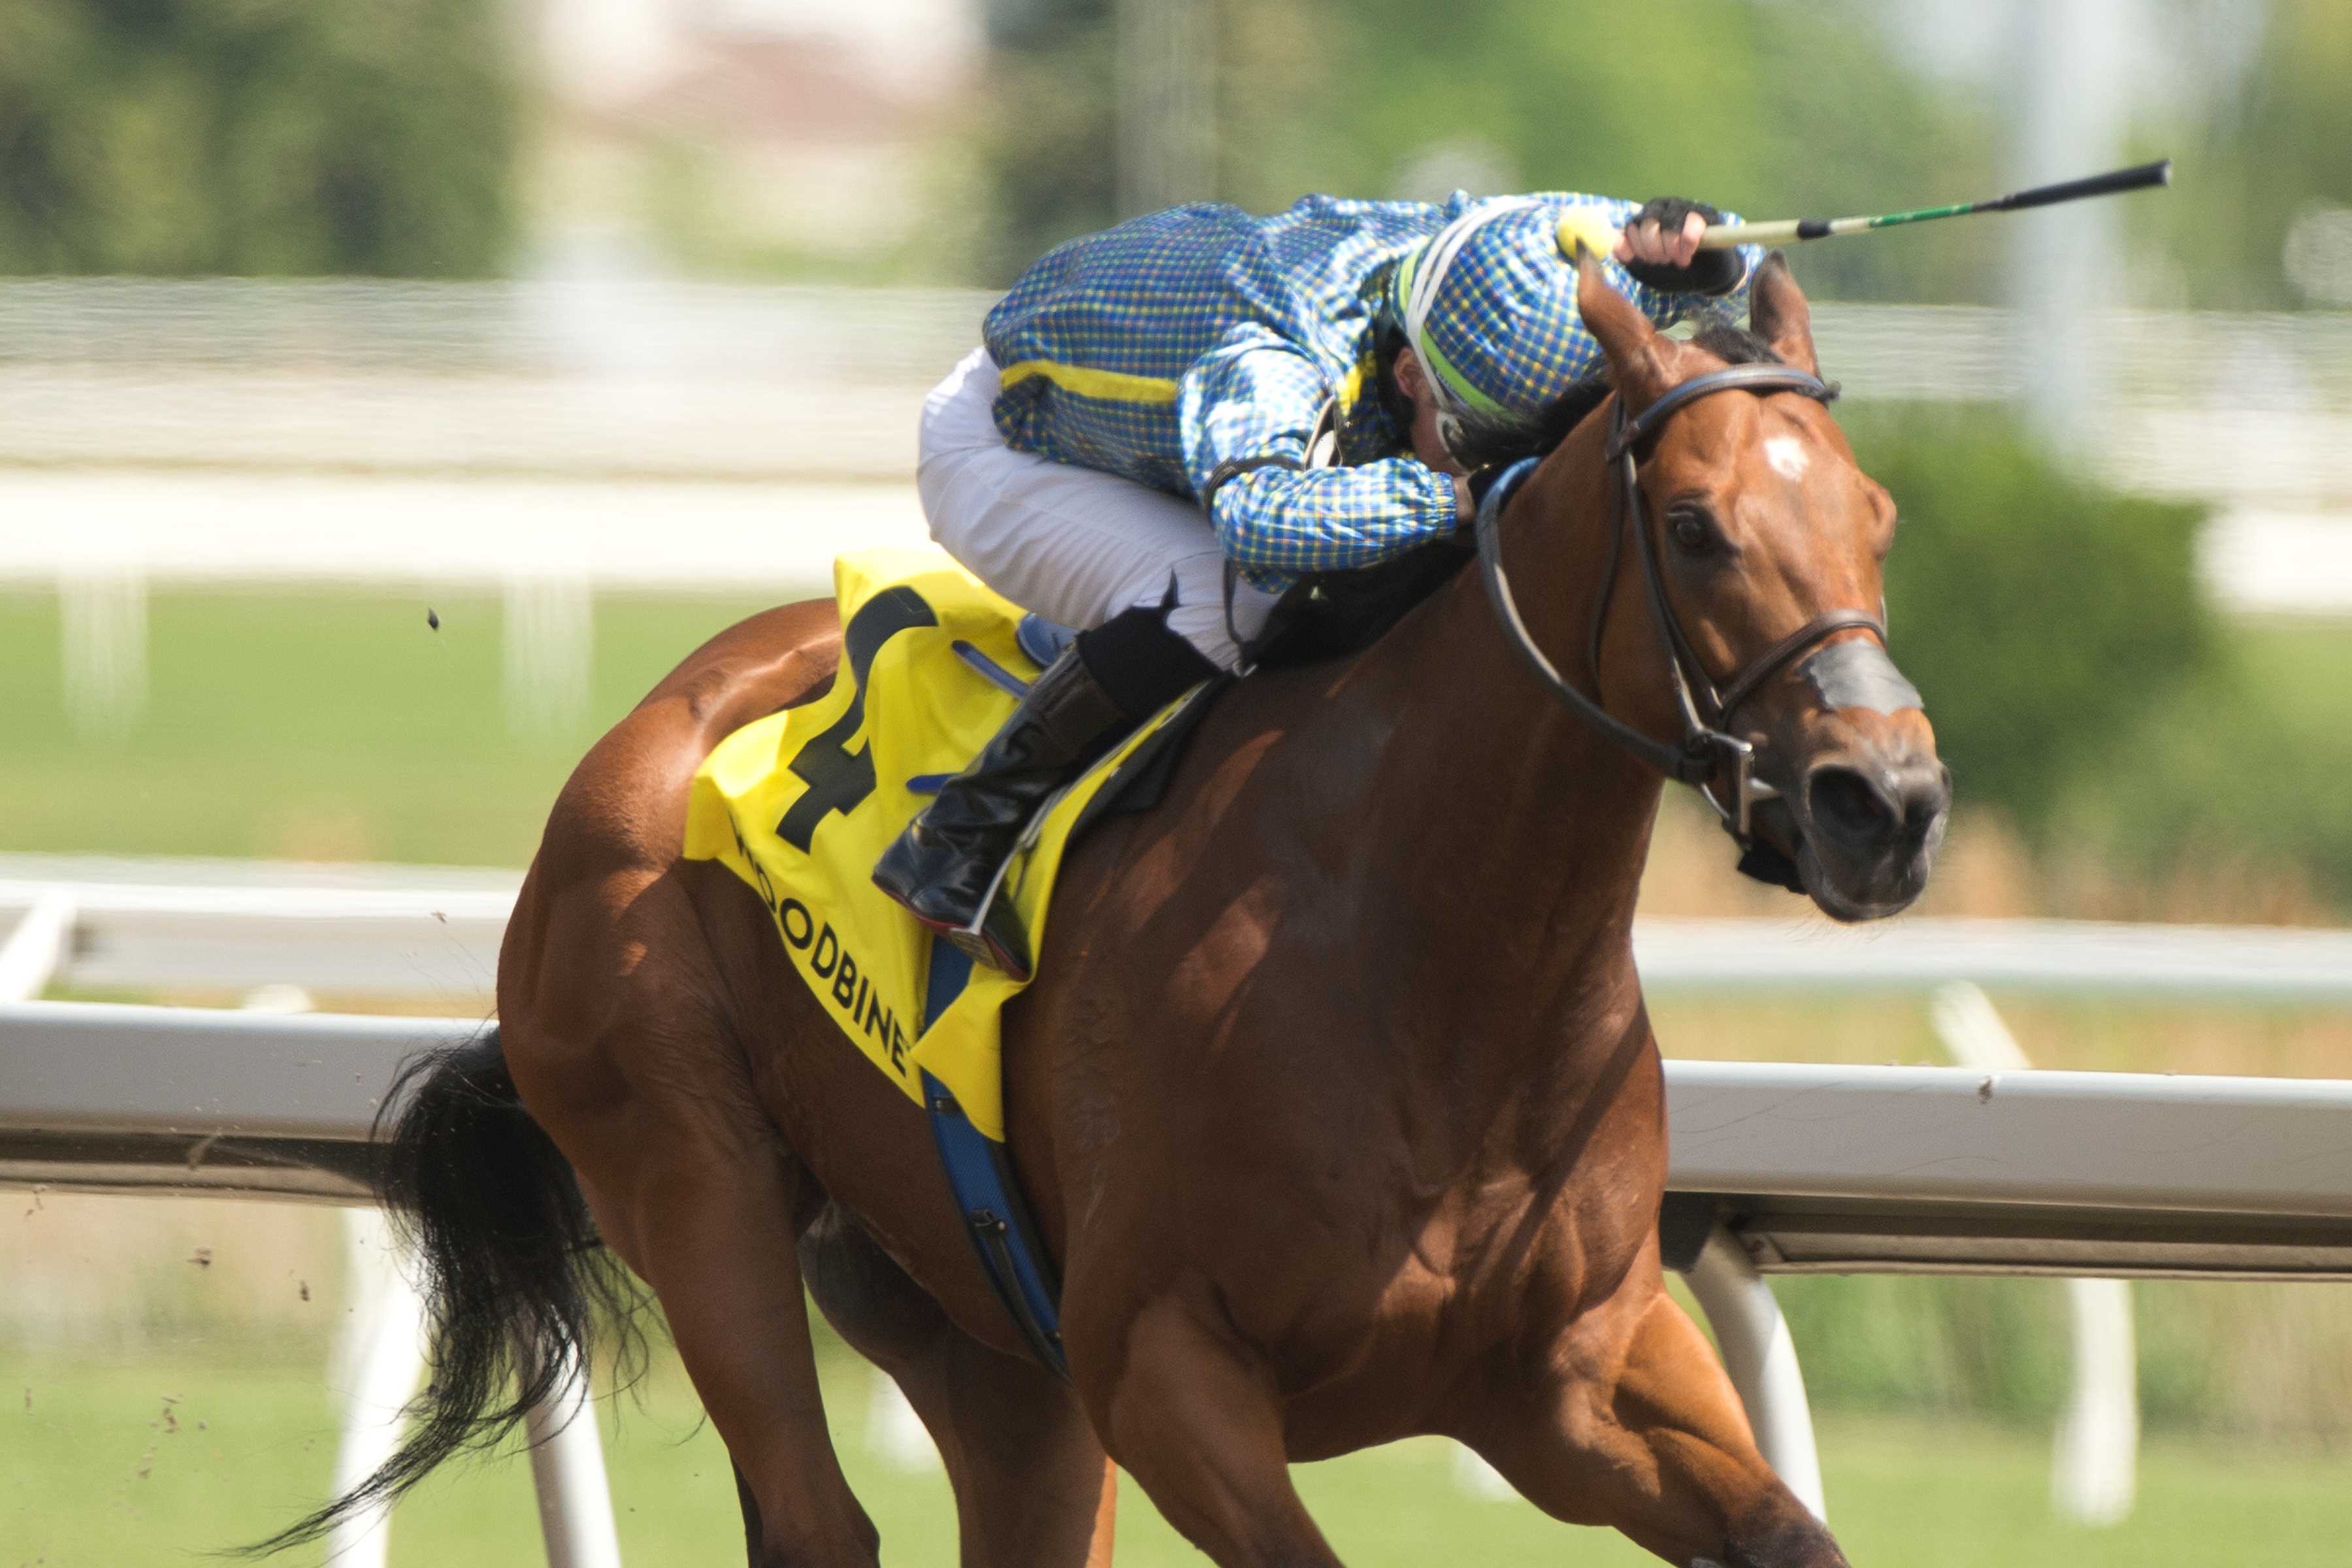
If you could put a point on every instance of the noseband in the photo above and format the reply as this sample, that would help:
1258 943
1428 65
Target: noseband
1706 752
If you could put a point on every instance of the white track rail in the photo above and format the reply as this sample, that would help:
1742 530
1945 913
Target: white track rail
194 1092
434 932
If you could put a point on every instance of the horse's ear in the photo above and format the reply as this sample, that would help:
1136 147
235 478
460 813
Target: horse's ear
1777 313
1640 359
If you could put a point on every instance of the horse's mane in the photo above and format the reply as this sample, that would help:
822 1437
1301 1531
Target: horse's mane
1736 345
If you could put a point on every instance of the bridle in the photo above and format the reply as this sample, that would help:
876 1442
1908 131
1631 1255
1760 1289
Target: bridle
1705 752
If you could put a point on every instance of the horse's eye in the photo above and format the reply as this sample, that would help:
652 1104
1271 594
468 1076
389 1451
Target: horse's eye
1689 529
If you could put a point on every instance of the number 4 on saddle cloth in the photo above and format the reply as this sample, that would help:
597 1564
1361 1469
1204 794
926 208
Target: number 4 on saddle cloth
800 805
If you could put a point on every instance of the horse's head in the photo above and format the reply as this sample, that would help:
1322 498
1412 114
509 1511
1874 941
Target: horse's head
1761 529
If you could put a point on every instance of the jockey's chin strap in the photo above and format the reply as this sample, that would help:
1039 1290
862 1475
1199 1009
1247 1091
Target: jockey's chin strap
1706 755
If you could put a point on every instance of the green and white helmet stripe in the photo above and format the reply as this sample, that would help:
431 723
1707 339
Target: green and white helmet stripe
1419 278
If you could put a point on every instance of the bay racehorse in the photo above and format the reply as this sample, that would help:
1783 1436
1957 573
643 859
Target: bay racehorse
1335 1095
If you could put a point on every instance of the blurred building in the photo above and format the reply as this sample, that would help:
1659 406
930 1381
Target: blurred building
760 135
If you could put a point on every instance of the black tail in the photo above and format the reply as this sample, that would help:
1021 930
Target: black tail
514 1277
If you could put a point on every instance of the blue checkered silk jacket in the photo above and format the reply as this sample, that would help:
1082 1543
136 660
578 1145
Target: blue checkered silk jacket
1179 349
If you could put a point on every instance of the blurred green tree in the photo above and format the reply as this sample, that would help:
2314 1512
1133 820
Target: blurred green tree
2280 147
184 137
1773 110
1048 142
2040 615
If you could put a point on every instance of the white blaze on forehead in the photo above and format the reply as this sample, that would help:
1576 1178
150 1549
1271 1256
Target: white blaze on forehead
1787 457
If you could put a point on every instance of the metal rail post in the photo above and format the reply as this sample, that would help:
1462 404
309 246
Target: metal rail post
893 1431
567 1469
102 621
1762 1360
2095 1459
387 1357
31 955
379 1364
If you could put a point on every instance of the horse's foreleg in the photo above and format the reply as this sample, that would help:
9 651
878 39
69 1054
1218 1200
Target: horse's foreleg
1652 1440
1195 1416
1033 1486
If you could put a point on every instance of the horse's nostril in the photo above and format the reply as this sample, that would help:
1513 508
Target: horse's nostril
1926 796
1850 808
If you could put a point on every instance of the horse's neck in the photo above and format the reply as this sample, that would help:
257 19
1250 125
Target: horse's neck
1519 831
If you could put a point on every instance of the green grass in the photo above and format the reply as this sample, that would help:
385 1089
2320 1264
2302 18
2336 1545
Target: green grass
316 725
96 1476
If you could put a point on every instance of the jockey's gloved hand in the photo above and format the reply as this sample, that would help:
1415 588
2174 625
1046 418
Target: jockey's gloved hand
1659 248
1480 481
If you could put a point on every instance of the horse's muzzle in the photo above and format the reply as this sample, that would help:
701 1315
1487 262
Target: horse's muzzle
1869 823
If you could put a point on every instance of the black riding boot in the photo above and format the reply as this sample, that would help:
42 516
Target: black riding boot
940 867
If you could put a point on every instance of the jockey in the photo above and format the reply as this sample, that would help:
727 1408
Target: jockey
1291 395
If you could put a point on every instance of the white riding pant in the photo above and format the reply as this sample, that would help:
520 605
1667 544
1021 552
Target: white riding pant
1076 545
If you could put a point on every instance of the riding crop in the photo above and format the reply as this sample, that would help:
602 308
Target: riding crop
1724 235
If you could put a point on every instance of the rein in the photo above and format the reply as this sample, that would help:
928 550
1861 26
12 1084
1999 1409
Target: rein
1705 751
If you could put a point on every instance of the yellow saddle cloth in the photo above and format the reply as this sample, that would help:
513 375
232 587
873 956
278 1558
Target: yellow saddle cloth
800 805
